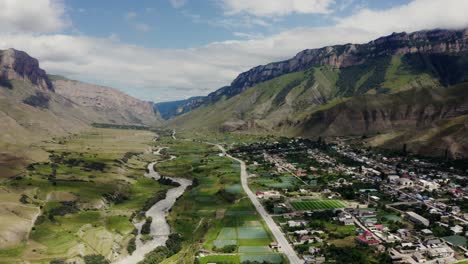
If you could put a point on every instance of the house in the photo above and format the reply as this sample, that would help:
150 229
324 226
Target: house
393 179
456 192
405 182
403 233
293 223
345 219
274 245
427 233
367 238
440 252
456 209
306 239
418 257
271 195
434 242
429 185
457 229
347 222
301 232
417 219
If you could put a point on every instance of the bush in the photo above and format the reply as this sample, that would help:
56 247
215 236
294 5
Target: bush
146 228
131 247
95 259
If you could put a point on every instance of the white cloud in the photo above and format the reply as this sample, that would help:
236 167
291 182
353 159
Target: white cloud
130 15
416 15
247 35
142 27
32 16
270 8
168 74
178 3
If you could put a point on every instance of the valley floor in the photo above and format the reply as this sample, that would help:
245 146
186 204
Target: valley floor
79 205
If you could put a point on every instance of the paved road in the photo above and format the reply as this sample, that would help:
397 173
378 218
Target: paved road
285 247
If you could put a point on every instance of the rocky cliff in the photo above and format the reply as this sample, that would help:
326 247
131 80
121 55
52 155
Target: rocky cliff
18 65
344 56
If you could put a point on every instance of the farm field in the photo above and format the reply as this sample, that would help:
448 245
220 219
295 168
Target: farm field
317 204
79 201
215 210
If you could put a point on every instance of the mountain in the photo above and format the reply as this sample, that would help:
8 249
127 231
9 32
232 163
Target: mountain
31 110
344 56
402 84
116 107
169 110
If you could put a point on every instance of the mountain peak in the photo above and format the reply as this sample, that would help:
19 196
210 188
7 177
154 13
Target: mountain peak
18 65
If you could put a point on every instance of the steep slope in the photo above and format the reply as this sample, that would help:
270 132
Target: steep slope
113 106
395 92
353 56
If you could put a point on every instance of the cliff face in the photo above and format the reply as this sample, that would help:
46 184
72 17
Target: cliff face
344 56
436 41
18 65
115 106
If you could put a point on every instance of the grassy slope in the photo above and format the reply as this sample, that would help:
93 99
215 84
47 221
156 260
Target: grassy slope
282 105
86 231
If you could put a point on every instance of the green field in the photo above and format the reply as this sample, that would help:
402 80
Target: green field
85 194
318 204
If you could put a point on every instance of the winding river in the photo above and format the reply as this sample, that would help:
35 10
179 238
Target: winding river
160 229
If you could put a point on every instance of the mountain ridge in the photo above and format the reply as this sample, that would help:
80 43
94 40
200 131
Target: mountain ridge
341 56
370 96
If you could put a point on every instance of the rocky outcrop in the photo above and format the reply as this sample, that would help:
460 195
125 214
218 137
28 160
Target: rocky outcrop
435 41
18 65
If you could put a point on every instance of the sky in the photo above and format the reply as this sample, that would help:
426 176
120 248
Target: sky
163 50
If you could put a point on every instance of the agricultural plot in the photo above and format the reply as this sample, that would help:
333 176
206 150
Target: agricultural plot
252 233
286 182
269 258
254 249
220 259
318 204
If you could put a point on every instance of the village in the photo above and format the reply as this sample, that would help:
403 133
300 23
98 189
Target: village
368 205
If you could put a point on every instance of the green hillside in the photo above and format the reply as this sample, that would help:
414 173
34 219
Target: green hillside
322 99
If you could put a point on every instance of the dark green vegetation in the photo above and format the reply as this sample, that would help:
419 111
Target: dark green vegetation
101 125
146 228
173 245
40 100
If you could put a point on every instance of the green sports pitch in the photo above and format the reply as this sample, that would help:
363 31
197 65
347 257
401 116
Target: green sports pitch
318 204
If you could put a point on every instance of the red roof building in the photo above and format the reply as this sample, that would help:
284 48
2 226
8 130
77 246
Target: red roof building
367 238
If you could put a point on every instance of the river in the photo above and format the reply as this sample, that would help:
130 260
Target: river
160 229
